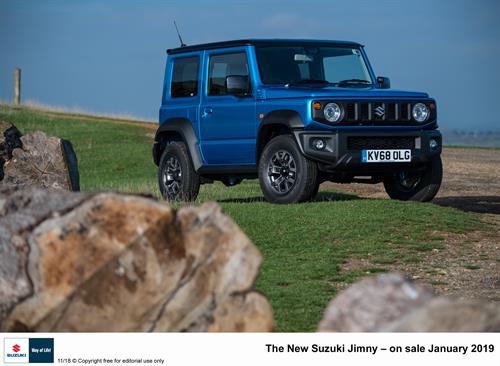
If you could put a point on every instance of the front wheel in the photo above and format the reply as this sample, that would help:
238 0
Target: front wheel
176 176
416 185
285 175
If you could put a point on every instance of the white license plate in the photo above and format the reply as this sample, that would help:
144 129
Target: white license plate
385 156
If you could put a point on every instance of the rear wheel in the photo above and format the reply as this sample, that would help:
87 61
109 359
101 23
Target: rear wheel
416 185
176 176
285 175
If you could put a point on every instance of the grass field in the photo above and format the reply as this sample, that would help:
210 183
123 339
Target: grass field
304 245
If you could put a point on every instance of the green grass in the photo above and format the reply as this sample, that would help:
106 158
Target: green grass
304 245
438 283
471 147
472 267
110 155
411 259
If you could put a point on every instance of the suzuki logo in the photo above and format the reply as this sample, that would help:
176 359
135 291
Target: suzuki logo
379 111
16 348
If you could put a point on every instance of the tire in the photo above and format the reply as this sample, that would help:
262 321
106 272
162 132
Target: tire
419 185
285 175
176 176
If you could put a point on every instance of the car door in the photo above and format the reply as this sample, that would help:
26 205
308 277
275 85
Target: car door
227 122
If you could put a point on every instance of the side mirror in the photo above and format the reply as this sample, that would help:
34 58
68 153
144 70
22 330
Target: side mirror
383 82
237 85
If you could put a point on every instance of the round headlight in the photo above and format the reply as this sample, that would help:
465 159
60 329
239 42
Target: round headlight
420 112
332 112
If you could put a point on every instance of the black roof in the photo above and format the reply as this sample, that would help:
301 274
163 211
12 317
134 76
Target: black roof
259 42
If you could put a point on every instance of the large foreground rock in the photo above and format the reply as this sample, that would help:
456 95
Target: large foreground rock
36 160
392 303
112 262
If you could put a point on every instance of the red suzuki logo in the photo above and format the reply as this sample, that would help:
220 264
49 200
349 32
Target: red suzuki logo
16 348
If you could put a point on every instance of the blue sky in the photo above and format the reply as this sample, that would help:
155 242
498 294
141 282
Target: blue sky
108 56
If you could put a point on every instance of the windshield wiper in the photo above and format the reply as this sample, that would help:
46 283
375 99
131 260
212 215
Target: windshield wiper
353 81
309 81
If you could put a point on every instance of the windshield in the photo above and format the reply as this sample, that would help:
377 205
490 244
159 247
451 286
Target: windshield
312 64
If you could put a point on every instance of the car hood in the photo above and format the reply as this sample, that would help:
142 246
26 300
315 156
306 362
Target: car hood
282 92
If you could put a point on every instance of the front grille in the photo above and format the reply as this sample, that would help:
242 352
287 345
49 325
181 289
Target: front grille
376 112
362 143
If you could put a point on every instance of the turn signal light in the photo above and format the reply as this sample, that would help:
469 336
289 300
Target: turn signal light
317 106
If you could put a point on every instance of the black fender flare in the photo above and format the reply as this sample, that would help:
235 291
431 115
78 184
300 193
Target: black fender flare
184 128
288 118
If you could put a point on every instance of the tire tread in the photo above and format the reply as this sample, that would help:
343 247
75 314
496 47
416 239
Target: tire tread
191 186
307 188
425 191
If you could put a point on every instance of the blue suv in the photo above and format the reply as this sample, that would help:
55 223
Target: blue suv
293 113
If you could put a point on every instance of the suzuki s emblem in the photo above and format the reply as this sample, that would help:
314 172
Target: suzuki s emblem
379 111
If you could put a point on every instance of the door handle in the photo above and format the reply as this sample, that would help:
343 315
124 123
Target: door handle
207 111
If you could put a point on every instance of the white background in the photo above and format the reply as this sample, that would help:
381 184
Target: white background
179 349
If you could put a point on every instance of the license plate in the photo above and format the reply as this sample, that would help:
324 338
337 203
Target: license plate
385 156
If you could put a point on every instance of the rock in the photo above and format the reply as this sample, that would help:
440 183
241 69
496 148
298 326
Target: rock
42 161
391 303
447 315
20 212
373 302
113 262
36 160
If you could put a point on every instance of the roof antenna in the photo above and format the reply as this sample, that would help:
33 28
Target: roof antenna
179 35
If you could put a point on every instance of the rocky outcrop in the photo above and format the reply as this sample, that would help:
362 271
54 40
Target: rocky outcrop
36 160
392 303
113 262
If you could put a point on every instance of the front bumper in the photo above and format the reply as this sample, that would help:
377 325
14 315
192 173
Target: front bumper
340 154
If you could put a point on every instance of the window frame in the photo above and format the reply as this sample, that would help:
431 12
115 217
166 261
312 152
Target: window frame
198 76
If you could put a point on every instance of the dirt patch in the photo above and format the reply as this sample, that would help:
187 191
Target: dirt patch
467 265
471 181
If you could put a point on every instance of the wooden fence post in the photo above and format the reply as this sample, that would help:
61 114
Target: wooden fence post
17 86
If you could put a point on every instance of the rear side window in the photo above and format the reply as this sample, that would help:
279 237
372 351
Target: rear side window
222 66
185 77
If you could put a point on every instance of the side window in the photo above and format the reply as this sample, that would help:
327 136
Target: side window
222 66
185 77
